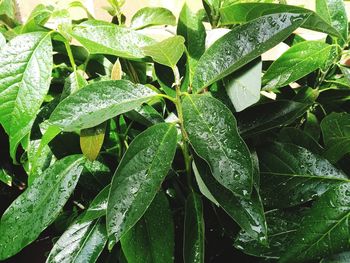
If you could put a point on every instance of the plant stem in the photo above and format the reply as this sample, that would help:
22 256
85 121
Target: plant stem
70 55
184 146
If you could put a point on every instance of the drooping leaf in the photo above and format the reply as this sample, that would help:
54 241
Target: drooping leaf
243 87
99 102
248 213
298 61
244 12
25 75
213 134
243 44
194 230
152 16
191 27
139 176
100 37
168 52
91 140
83 241
151 240
336 135
324 230
291 175
333 11
39 205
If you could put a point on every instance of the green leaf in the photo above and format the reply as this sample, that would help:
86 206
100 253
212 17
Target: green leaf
5 177
244 12
243 87
212 9
247 213
191 27
298 61
7 7
83 241
168 52
98 206
25 75
325 228
91 140
333 11
281 224
39 205
266 116
74 82
99 102
243 44
2 41
213 134
139 177
343 257
291 175
194 230
152 239
336 135
152 16
100 37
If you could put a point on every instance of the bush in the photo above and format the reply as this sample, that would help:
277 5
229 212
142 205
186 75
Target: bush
119 147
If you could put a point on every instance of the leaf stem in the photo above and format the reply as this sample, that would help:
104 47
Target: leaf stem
70 55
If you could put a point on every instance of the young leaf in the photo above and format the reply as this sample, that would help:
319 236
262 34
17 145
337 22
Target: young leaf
25 75
100 37
83 241
212 9
139 176
244 12
212 132
191 27
336 135
152 16
298 61
5 177
99 102
91 141
291 175
117 71
243 44
325 228
168 52
333 11
39 205
194 230
248 213
243 87
152 238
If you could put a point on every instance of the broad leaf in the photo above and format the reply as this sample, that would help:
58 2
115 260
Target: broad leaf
191 27
74 82
243 87
98 206
194 230
7 7
25 75
291 175
139 177
243 44
298 61
333 11
213 134
168 52
151 240
99 102
83 241
325 228
39 205
336 135
152 16
248 213
343 257
100 37
91 140
244 12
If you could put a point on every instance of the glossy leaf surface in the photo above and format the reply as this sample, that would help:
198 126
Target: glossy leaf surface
82 242
39 205
291 175
212 132
151 240
243 44
139 176
99 102
25 75
152 16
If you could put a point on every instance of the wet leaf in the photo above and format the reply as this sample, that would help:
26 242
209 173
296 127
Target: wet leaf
91 141
152 16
